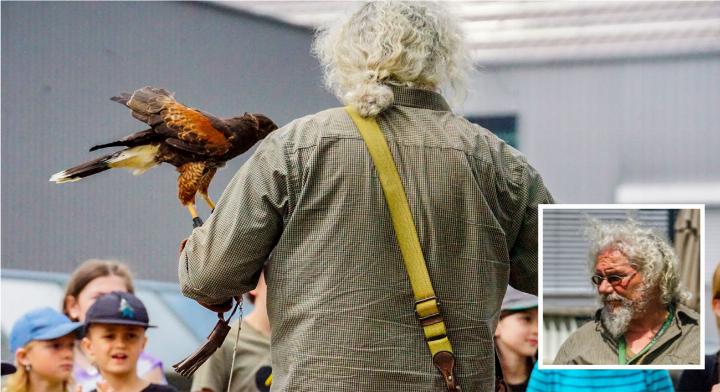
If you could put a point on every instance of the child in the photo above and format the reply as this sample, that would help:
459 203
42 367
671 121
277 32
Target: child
516 338
42 341
605 380
707 379
114 338
88 282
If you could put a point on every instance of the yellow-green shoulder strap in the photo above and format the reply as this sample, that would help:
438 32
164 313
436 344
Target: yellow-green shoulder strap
426 303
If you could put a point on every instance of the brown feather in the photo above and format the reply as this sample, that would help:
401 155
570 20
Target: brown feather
206 179
149 100
189 180
194 128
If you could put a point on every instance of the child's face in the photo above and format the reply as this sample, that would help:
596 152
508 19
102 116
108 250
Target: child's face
518 332
77 307
115 348
52 360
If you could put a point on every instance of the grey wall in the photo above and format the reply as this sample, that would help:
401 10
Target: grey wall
60 64
589 127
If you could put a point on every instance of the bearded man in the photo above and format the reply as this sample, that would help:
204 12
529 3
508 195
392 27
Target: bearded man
644 320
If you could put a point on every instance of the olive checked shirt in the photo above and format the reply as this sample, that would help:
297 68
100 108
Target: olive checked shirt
591 344
339 299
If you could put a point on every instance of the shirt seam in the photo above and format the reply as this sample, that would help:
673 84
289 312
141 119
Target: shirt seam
480 159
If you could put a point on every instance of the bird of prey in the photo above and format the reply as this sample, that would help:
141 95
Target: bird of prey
196 143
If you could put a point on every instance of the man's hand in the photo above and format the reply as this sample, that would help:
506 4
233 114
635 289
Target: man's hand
182 245
715 388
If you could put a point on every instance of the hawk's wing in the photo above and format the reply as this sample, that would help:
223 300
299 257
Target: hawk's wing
185 128
196 132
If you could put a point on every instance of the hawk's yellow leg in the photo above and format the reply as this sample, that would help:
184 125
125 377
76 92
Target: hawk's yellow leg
193 211
208 200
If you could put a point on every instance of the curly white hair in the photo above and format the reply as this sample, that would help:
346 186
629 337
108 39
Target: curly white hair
414 44
654 257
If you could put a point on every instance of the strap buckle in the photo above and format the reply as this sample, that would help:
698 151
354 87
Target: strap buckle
445 362
432 318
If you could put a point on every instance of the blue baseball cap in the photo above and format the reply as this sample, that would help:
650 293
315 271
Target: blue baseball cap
40 324
517 300
120 308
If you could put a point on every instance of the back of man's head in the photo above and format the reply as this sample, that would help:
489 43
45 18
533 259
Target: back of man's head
414 44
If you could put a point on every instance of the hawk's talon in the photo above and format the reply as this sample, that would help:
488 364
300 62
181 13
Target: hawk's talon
197 222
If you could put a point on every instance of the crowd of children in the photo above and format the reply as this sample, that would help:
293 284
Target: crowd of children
113 337
97 344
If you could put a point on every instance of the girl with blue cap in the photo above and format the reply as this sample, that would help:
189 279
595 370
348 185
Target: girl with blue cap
42 341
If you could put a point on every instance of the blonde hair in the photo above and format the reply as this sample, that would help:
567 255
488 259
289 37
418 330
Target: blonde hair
91 270
716 290
413 44
654 257
20 380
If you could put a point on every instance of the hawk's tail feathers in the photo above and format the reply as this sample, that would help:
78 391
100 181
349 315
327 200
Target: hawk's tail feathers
81 171
138 159
106 145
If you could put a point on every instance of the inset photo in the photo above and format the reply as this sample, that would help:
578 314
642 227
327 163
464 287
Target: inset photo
620 286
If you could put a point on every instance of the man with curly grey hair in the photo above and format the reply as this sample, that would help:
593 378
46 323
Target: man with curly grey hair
339 299
644 319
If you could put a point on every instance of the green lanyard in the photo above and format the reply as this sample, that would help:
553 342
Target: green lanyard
622 344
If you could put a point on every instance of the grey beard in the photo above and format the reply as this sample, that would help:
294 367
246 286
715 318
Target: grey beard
616 321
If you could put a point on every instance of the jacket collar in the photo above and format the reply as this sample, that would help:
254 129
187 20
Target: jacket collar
418 98
683 316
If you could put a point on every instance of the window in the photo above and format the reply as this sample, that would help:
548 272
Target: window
504 127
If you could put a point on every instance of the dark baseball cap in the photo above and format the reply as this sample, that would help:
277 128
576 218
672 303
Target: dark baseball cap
40 324
119 308
517 300
8 368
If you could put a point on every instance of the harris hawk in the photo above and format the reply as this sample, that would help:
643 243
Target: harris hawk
195 142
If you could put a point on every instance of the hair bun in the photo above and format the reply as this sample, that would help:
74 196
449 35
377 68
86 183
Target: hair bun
370 98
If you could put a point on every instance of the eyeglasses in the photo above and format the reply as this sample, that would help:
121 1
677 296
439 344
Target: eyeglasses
614 280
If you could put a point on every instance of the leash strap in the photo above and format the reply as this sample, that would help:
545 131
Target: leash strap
237 338
427 305
622 345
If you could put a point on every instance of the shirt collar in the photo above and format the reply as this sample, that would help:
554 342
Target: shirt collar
418 98
685 315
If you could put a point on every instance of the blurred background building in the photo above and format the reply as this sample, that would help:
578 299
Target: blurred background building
611 102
